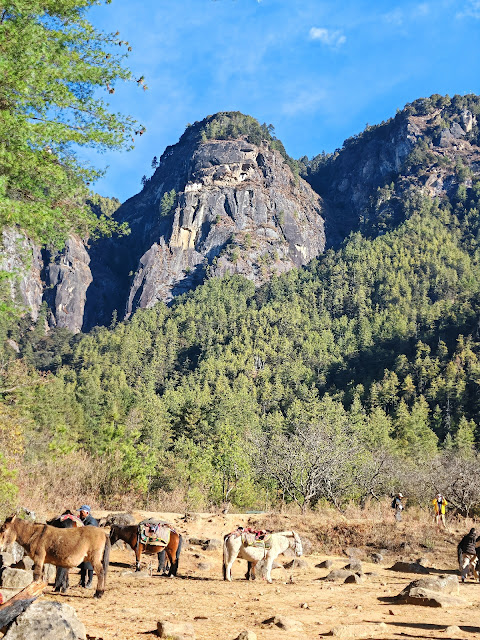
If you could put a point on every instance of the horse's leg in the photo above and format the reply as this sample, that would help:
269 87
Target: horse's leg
101 568
174 553
61 580
138 554
38 562
268 567
252 570
229 563
161 560
249 570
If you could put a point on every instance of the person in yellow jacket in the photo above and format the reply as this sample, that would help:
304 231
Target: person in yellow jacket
439 504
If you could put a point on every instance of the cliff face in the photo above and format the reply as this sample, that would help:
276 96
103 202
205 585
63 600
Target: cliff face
420 148
221 204
233 207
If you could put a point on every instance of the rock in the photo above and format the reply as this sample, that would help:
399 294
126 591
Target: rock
361 630
204 566
355 578
409 567
261 572
25 563
354 553
326 564
338 575
307 546
49 573
285 623
431 592
6 559
297 563
175 630
213 545
198 541
16 550
354 565
377 558
246 635
121 519
16 578
47 621
452 630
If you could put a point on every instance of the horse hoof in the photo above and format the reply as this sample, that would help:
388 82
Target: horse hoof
98 594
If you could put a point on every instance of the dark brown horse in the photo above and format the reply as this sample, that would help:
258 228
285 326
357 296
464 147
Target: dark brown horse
66 521
60 547
132 535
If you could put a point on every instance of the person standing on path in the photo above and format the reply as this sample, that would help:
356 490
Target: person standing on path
398 506
86 568
439 504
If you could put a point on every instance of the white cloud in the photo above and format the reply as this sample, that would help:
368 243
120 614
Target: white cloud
471 9
327 36
394 17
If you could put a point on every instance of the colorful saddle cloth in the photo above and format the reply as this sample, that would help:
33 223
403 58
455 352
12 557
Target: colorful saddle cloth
254 537
155 534
69 516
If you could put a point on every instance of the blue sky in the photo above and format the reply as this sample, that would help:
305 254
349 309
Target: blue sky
319 71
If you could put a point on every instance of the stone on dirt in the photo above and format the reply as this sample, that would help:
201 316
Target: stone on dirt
213 545
377 558
121 519
452 630
175 630
198 541
338 575
16 578
47 621
297 563
409 567
246 635
285 623
358 631
432 592
354 553
355 578
354 565
326 564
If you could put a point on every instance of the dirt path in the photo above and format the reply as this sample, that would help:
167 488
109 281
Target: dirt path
133 604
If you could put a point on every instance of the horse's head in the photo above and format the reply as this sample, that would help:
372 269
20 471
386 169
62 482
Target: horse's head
114 534
8 532
297 544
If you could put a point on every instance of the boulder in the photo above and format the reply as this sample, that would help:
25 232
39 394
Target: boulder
49 572
354 553
326 564
16 578
355 578
121 519
354 565
47 621
175 630
358 631
6 559
409 567
307 546
297 563
246 635
432 592
213 545
25 563
198 541
377 558
338 575
285 623
16 550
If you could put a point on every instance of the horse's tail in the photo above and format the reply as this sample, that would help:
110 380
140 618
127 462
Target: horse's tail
106 557
459 554
179 548
225 540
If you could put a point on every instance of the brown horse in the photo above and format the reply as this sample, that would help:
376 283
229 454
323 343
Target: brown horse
66 521
132 534
60 547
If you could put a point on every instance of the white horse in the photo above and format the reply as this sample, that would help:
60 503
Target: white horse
243 545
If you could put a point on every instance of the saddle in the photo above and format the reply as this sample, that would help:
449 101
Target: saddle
69 516
255 537
155 534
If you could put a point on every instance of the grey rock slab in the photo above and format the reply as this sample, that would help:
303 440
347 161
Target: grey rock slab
285 623
6 559
297 563
359 631
409 567
326 564
16 578
47 621
175 630
355 578
246 635
338 575
354 565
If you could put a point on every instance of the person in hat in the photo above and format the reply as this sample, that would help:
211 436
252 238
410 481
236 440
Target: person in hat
86 568
439 504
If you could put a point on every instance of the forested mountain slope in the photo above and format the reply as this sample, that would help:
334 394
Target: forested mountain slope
349 377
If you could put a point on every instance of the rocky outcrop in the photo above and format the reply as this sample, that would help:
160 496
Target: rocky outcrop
67 278
212 207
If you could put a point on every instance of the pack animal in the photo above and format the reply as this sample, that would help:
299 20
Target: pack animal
61 547
246 545
65 521
134 535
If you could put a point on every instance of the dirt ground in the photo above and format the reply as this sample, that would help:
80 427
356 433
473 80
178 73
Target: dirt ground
133 603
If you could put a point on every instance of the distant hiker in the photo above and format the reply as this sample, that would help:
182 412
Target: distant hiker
439 504
86 568
398 506
467 555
